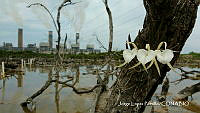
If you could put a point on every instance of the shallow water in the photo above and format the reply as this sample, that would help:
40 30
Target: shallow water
173 90
16 89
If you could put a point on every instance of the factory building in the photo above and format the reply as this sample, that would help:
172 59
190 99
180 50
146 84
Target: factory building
31 47
44 46
75 48
90 47
7 45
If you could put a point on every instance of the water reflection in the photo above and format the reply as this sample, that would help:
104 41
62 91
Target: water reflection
3 91
57 98
20 79
61 99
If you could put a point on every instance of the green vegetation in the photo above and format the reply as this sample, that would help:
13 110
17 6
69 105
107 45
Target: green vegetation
22 54
194 55
30 54
116 55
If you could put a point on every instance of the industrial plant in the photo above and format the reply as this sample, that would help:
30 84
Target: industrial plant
47 47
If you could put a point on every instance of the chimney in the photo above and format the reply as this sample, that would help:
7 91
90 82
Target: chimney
20 38
50 39
77 38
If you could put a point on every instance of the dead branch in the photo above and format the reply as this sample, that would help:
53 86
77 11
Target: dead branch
39 92
178 81
189 72
188 91
185 74
129 40
100 43
164 90
65 41
98 92
36 4
110 25
56 23
77 91
64 46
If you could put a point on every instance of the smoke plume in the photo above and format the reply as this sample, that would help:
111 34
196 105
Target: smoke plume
76 14
11 9
42 15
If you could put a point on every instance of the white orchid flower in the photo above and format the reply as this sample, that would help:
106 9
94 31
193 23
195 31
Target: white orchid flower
165 56
128 55
154 61
144 56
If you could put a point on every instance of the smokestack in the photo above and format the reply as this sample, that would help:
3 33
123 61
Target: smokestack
20 38
50 39
77 38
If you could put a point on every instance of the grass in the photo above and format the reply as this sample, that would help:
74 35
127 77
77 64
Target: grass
30 54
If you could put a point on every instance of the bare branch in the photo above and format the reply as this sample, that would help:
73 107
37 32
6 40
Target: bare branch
36 4
77 91
100 43
185 74
188 91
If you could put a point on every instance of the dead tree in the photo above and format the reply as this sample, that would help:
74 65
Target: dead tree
110 25
171 21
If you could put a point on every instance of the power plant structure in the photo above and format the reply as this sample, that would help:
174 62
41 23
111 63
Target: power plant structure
75 47
47 46
77 38
20 38
50 40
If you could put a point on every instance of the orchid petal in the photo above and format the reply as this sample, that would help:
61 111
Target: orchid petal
165 56
128 55
145 56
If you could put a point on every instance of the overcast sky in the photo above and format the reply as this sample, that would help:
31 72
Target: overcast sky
88 17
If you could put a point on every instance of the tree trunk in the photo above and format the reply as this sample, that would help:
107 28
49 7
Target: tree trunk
171 21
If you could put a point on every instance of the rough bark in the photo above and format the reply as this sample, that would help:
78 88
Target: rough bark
171 21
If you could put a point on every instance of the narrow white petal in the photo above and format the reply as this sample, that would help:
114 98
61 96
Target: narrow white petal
121 65
170 66
145 68
135 65
160 45
157 67
150 64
